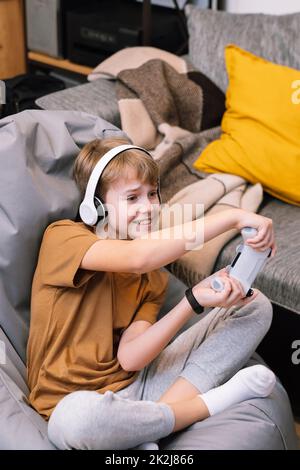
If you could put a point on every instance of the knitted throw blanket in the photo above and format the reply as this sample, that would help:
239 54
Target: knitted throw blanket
155 95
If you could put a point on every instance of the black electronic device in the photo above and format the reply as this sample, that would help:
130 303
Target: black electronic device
94 33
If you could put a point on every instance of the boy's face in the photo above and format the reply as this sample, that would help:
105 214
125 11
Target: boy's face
133 207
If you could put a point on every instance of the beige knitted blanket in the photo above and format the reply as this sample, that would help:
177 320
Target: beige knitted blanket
154 95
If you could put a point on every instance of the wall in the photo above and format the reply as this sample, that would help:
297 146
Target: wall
275 7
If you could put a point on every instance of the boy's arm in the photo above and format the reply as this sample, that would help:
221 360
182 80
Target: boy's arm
162 247
167 245
112 256
155 249
141 342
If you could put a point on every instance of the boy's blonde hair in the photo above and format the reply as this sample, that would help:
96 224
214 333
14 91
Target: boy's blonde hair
146 168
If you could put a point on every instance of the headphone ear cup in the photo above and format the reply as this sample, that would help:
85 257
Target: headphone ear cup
101 210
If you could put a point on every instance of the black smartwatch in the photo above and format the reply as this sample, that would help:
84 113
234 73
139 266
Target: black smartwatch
193 301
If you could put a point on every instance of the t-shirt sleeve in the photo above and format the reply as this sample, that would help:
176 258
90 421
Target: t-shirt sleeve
154 297
63 246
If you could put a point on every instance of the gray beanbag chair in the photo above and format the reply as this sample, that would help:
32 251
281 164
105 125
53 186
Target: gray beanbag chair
37 151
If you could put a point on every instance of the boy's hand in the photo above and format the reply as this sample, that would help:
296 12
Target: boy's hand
265 237
233 293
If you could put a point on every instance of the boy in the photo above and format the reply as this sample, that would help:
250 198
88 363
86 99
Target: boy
99 364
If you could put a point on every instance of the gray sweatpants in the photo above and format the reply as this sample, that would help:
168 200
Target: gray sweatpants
207 355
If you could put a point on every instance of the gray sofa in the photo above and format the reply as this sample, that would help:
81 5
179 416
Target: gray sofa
37 151
275 38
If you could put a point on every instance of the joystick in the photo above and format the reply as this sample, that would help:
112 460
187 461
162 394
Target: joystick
246 264
217 284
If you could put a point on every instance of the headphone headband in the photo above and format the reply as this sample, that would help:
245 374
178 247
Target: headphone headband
87 209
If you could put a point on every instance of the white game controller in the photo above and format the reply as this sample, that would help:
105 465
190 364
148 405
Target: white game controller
246 264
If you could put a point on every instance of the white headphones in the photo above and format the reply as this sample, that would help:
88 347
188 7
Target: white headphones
92 210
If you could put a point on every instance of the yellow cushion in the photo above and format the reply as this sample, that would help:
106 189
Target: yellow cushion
260 138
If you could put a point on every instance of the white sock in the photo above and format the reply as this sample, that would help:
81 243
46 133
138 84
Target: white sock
251 382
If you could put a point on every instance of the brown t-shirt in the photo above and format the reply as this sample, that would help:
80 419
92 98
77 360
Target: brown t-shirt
77 317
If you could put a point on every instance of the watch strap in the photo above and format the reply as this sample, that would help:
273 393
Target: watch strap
193 301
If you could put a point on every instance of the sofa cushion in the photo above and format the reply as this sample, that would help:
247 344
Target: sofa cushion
261 126
273 37
37 151
98 98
